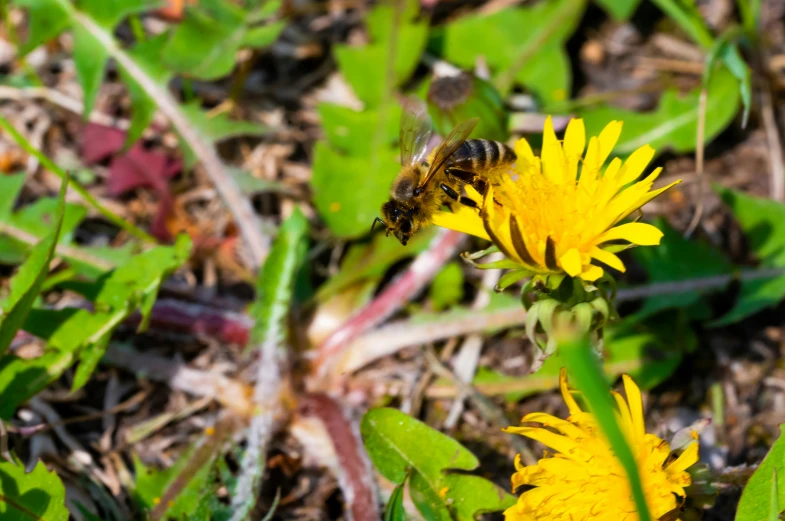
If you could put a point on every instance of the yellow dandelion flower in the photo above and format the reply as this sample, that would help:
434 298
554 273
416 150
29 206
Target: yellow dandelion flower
561 213
583 479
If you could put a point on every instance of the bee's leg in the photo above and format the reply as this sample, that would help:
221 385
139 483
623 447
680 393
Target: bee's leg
471 203
463 175
452 194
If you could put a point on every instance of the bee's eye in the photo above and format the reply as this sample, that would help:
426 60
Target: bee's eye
406 226
395 214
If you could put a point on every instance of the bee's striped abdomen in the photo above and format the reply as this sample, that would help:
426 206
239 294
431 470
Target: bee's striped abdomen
477 155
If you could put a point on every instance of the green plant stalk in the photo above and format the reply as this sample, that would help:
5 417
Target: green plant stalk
750 16
137 28
582 365
690 22
81 190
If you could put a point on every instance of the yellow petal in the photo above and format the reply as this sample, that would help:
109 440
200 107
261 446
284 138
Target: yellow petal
525 155
641 234
635 165
465 220
591 164
574 138
607 140
635 402
571 262
624 413
563 426
552 154
567 446
592 273
572 405
608 258
687 459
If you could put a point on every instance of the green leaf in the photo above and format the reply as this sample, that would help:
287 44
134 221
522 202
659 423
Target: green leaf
263 36
447 287
348 130
676 259
774 504
525 44
109 13
763 222
583 367
189 504
349 190
370 261
39 495
147 55
673 125
394 510
26 284
366 68
48 18
275 291
397 444
755 295
90 59
620 10
204 44
78 334
10 188
687 16
758 496
276 280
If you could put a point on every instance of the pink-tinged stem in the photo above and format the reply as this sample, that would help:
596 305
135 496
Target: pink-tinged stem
228 327
197 319
401 290
354 470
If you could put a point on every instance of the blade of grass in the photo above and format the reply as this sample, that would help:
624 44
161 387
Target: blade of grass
689 20
583 366
26 284
774 504
81 190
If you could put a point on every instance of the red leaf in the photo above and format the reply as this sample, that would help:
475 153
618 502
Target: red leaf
136 168
100 142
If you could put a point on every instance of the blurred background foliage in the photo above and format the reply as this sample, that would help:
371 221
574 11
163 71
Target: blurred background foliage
505 63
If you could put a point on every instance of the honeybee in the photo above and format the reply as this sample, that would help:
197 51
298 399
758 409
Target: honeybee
424 185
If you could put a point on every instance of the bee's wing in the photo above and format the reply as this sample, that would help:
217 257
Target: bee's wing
448 147
416 130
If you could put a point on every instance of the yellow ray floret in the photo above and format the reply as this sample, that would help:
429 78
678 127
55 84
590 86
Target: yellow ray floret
583 480
559 213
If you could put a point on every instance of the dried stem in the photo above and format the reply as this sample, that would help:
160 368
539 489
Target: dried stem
699 150
393 337
395 296
68 103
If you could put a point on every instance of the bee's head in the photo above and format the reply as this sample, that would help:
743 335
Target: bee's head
397 221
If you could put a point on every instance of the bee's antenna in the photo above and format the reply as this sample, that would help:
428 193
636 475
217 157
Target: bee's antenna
378 220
